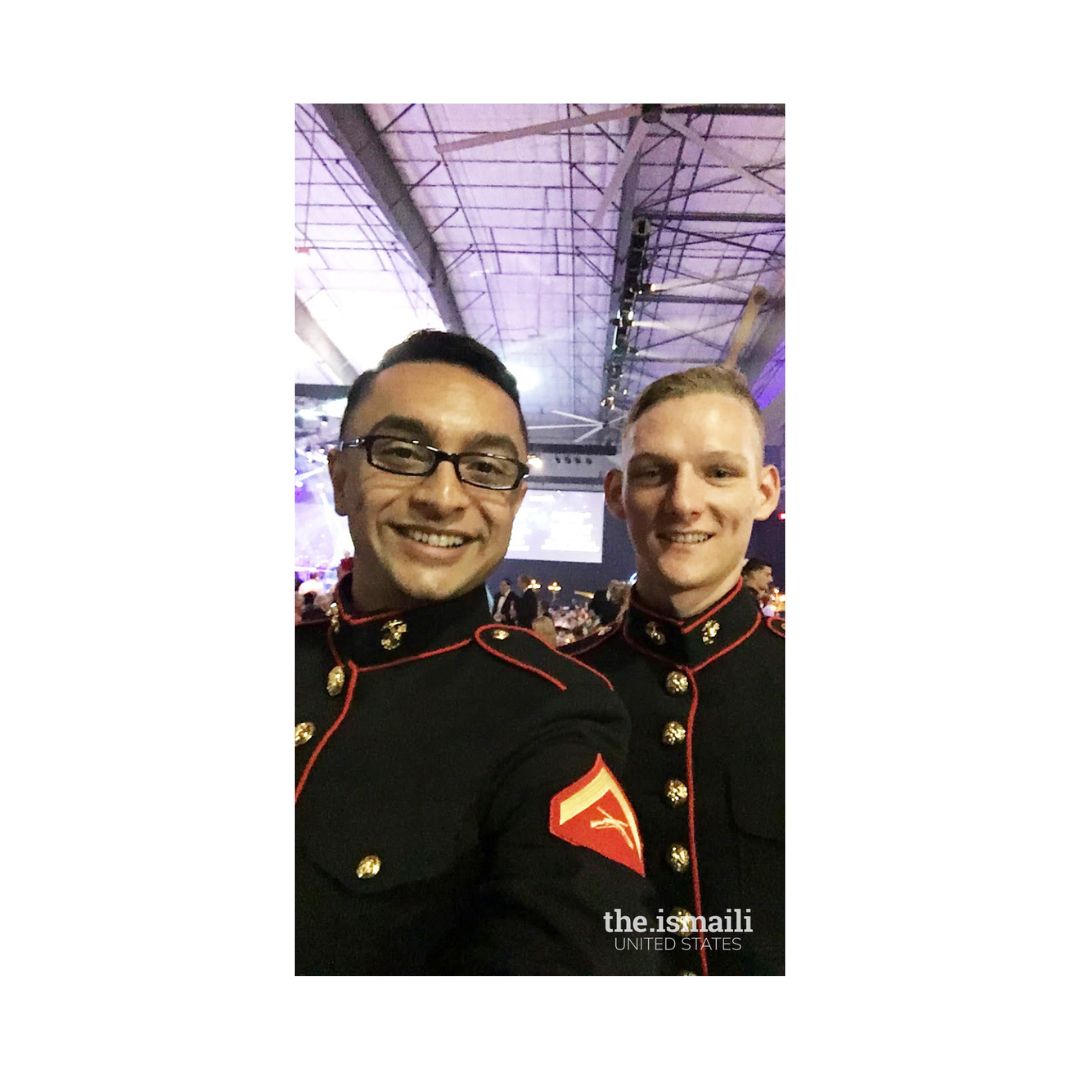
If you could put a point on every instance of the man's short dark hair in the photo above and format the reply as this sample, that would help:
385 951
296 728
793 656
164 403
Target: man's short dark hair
754 564
506 581
438 346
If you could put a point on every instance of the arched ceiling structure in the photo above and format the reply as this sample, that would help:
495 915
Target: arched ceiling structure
594 247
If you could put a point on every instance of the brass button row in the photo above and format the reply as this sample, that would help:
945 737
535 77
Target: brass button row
335 681
673 734
678 858
676 683
686 920
676 792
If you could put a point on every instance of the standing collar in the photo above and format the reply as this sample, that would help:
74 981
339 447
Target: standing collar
385 637
693 641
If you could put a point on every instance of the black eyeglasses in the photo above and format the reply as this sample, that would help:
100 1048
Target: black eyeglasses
406 457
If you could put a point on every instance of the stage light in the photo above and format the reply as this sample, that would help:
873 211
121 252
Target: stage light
782 515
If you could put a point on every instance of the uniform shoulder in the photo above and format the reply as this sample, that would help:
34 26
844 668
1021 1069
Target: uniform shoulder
521 648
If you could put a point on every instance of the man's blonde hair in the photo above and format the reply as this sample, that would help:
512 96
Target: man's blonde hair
697 380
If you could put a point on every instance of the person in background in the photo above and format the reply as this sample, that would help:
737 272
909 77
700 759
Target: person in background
605 603
544 627
528 604
505 609
313 585
757 576
309 611
701 668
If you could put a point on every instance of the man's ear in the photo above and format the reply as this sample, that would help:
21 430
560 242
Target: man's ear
768 492
613 487
337 478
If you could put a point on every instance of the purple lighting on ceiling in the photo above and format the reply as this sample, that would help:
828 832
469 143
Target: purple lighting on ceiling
771 380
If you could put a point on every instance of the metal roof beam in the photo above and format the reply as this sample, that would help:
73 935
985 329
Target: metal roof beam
316 338
664 298
730 110
700 215
352 129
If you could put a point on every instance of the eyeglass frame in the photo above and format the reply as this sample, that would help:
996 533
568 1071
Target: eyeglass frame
365 441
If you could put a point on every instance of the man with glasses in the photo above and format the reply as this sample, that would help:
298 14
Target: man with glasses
457 810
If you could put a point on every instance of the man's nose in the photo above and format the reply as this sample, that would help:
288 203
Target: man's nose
685 495
441 492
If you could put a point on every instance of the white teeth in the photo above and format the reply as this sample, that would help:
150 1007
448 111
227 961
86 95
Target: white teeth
686 538
434 539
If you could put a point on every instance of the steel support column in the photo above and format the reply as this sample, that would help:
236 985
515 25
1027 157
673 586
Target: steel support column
628 197
352 129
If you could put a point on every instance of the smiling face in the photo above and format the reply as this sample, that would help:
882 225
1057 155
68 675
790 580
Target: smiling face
692 486
422 539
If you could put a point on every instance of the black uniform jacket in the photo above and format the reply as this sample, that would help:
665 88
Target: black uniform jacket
440 823
706 771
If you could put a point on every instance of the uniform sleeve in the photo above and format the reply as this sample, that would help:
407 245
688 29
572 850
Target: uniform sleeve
541 907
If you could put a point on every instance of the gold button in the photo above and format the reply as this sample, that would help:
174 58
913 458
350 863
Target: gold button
500 635
678 858
392 631
335 681
303 733
676 683
654 633
369 866
675 792
673 733
686 923
335 618
687 972
709 631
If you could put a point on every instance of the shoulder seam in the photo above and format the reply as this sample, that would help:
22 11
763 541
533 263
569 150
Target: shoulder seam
478 638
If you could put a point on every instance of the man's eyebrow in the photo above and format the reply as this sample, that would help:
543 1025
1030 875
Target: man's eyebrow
402 425
412 428
490 440
730 457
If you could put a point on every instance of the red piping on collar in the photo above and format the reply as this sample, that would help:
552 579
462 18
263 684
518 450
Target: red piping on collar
776 624
510 659
728 648
713 610
354 620
645 652
409 659
326 738
690 818
649 611
722 602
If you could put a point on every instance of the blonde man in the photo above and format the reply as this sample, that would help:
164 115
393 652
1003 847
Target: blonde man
701 670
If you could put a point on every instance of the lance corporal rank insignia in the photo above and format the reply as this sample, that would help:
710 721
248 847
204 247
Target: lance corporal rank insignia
594 812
